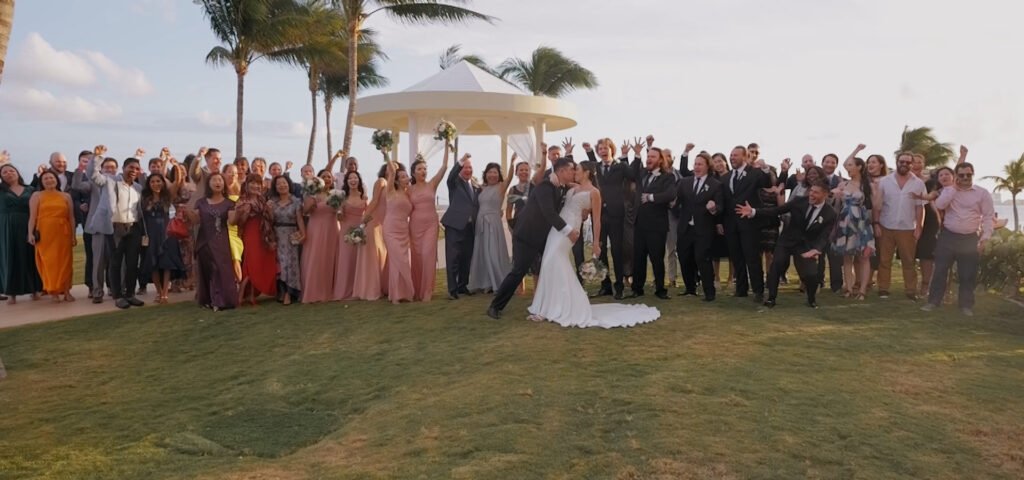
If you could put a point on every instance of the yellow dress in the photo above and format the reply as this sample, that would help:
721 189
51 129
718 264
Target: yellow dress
233 238
53 251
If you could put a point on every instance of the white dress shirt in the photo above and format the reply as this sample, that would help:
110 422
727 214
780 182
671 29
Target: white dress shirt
126 203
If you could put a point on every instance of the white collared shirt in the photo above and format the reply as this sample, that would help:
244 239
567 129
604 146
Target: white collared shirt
126 203
899 205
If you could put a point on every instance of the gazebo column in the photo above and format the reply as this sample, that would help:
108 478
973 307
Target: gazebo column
414 138
504 153
540 126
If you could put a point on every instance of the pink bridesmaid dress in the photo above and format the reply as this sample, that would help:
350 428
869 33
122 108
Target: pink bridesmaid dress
423 242
348 254
396 239
319 254
369 261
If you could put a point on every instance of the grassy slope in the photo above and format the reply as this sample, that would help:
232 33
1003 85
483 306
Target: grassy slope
368 390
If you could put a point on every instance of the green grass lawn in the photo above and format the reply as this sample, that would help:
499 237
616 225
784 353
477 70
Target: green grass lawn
370 390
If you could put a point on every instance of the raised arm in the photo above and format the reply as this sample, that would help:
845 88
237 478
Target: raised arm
392 172
333 160
436 181
963 155
538 176
860 147
453 177
95 175
196 172
80 180
508 176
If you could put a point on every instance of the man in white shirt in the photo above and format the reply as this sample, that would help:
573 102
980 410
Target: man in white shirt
126 215
898 219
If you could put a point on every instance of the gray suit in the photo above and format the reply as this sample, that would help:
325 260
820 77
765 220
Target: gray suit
459 230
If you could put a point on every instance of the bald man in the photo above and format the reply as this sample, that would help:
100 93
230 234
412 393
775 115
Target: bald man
59 165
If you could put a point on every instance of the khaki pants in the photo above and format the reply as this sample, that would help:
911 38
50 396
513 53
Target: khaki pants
904 242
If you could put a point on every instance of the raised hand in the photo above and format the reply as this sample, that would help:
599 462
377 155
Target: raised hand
100 150
202 151
689 147
638 146
5 157
587 147
337 155
139 153
860 147
963 151
650 141
514 157
567 145
625 148
288 165
42 168
786 163
164 153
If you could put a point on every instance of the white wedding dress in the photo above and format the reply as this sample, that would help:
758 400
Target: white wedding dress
560 298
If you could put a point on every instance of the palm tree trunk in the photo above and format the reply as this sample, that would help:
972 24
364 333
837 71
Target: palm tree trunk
238 114
312 131
1016 216
353 73
328 106
6 23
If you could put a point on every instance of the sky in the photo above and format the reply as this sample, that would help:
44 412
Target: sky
795 76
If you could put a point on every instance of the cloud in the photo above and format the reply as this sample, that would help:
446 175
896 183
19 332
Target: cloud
36 104
38 61
164 8
209 119
128 80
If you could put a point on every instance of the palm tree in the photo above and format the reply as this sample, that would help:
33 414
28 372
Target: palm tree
451 56
334 85
922 140
251 30
548 73
6 23
1013 182
407 11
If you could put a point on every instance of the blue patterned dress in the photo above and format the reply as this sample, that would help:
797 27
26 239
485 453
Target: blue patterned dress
854 230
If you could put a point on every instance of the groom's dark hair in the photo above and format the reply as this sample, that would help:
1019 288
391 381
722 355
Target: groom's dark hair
562 163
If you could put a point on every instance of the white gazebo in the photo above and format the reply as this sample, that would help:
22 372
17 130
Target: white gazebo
477 103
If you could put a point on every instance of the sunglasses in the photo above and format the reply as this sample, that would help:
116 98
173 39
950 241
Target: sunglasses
904 162
965 175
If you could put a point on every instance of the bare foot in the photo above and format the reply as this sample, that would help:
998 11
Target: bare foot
68 297
11 300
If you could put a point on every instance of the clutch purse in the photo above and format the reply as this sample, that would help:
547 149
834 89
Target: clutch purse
295 238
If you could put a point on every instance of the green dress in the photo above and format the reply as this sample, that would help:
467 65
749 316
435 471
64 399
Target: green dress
18 274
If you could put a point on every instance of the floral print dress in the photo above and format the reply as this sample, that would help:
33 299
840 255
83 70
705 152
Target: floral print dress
853 232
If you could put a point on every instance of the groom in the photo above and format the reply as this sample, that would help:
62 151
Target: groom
531 232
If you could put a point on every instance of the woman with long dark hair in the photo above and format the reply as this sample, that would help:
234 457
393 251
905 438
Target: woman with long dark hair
51 230
162 261
320 252
18 273
215 276
855 239
256 225
491 262
350 281
396 235
290 230
423 225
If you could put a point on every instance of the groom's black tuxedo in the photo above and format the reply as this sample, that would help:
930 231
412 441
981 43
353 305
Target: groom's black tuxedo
529 237
654 192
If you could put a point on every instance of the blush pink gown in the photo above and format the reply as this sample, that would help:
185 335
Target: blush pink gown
423 226
319 254
369 261
396 239
348 254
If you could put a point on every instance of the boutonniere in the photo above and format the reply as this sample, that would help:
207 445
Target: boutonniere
704 189
819 220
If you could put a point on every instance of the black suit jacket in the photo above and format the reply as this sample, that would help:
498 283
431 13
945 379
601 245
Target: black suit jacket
692 205
462 203
744 191
653 216
540 215
613 186
799 237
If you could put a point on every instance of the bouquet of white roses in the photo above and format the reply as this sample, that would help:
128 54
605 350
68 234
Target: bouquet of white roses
312 186
382 140
445 131
357 235
335 198
593 270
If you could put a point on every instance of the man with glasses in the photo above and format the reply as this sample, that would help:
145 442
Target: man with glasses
898 218
968 211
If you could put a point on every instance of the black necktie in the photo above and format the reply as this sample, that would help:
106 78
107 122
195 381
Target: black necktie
810 214
696 184
605 169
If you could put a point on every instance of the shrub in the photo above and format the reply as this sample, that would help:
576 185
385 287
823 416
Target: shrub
1002 262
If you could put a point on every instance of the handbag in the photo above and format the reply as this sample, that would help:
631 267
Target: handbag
177 228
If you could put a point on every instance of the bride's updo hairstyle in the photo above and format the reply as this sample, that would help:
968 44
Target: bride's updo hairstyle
591 169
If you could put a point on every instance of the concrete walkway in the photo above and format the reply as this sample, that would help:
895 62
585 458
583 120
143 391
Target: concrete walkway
27 312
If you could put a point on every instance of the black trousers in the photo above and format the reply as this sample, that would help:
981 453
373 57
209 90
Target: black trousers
648 244
523 257
125 254
694 252
835 270
577 255
458 253
612 231
87 243
806 268
745 256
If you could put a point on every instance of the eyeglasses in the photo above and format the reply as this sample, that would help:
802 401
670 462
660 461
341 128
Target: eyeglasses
965 175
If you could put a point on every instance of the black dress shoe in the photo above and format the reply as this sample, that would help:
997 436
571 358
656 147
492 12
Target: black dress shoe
603 292
759 298
135 302
453 296
709 298
813 305
494 313
618 295
740 295
97 299
636 295
687 294
769 303
465 291
122 303
662 295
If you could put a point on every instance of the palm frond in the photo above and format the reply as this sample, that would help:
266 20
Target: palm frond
922 140
431 11
548 73
220 56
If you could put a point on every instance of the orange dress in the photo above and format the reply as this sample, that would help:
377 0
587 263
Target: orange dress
53 251
423 225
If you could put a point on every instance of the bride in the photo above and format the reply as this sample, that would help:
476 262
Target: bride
559 297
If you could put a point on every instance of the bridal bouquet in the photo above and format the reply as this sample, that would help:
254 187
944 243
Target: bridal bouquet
445 131
312 186
593 270
335 198
382 140
356 236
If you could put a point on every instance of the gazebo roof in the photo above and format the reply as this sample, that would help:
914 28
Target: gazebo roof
464 92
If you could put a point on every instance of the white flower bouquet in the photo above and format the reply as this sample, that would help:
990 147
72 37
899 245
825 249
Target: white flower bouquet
335 198
382 140
445 131
312 186
593 270
357 235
